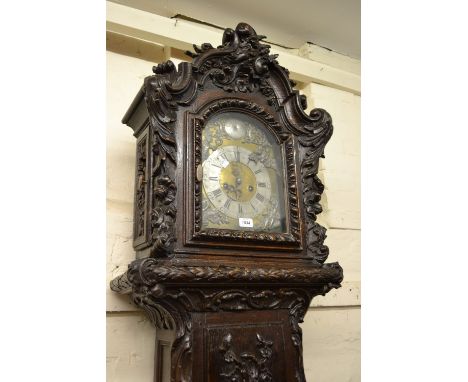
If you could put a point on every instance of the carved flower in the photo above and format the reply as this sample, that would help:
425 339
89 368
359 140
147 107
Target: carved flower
265 377
264 347
266 90
229 356
165 189
226 344
266 352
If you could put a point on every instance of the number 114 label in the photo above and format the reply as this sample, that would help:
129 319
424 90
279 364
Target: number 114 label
245 222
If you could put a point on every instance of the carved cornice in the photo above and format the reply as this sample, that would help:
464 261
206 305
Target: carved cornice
150 272
203 288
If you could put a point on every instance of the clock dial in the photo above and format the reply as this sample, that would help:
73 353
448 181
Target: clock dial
242 175
235 185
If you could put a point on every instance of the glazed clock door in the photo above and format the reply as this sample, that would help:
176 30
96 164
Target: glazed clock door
243 175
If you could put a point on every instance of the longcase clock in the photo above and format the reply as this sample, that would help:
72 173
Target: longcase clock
229 253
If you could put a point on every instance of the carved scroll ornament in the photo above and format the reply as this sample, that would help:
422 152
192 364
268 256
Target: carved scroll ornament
240 64
313 143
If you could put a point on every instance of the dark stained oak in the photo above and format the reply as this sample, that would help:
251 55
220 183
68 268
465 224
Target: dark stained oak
227 304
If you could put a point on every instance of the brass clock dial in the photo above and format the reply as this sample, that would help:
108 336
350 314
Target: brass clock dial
242 175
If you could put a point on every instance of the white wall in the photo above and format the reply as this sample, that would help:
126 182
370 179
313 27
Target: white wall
332 327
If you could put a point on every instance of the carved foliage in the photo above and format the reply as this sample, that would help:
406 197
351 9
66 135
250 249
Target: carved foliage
163 93
296 316
240 64
150 272
140 188
121 284
247 367
313 142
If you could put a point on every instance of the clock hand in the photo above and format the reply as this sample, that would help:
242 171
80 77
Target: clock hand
238 182
230 189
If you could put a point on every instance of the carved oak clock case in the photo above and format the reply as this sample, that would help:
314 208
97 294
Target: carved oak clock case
229 253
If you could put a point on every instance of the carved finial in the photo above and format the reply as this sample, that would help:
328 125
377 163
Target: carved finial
244 31
164 67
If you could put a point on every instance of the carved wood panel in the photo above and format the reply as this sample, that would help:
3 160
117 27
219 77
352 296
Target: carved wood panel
244 346
142 181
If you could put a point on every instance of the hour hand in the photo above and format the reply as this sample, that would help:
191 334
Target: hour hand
230 189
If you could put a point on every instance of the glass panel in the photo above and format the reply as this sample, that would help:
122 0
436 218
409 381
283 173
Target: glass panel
243 176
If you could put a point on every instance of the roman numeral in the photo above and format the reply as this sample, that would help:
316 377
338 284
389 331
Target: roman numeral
216 193
253 207
258 171
240 208
260 197
215 178
227 203
237 154
223 156
261 184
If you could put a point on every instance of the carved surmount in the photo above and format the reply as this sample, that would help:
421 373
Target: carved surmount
241 64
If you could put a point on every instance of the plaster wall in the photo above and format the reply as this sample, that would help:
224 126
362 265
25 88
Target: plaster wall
332 326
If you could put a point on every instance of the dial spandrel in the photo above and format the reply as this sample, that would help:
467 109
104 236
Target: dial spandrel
242 175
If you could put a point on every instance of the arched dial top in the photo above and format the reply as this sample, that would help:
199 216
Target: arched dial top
243 175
